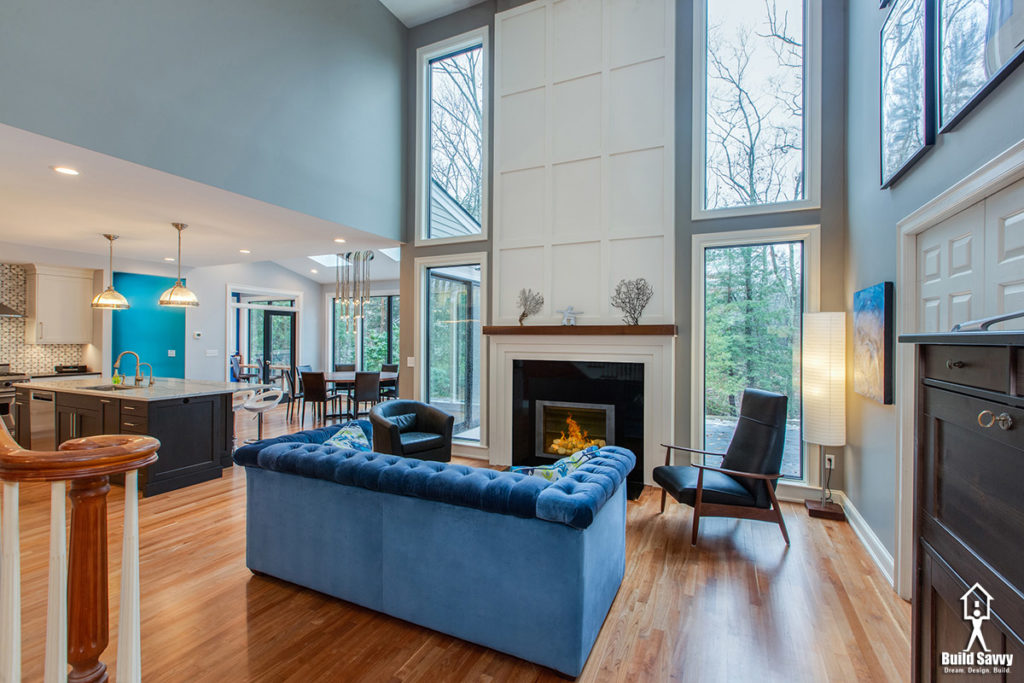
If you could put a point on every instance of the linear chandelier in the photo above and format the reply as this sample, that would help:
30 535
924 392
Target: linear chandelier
352 285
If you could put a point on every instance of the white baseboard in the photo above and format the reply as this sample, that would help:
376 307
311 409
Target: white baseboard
876 549
796 493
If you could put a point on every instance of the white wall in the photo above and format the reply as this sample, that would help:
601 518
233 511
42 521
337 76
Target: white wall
210 317
583 156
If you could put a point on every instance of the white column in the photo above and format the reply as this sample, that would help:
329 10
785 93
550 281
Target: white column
10 588
129 628
57 600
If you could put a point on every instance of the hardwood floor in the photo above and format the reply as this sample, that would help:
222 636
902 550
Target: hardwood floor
739 607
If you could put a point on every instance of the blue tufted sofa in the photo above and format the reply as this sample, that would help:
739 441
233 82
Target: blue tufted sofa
515 563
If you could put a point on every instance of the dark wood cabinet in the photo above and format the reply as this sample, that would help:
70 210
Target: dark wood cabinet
968 503
22 418
195 433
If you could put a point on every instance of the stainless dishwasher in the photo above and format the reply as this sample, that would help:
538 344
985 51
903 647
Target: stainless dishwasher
43 419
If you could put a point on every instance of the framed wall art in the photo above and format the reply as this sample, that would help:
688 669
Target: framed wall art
872 342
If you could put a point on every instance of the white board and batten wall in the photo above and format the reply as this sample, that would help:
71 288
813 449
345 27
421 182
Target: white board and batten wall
583 156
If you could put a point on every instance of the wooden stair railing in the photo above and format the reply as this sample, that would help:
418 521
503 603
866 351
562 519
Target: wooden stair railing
77 636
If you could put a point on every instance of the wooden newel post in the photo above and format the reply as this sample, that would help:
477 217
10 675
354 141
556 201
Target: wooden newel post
87 580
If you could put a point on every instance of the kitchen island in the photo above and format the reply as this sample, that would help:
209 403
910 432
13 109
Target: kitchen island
193 419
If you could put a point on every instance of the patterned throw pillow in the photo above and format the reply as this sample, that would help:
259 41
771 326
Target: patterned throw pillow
349 436
559 468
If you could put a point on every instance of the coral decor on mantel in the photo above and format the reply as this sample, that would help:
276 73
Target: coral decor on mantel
529 302
631 297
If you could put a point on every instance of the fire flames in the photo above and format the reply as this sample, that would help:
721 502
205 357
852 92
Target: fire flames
576 440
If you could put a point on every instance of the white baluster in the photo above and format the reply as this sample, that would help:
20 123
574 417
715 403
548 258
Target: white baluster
10 588
129 629
57 599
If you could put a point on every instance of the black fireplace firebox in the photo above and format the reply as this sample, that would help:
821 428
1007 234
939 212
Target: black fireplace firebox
559 407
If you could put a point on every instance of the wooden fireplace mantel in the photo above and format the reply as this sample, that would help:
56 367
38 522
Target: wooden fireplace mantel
580 330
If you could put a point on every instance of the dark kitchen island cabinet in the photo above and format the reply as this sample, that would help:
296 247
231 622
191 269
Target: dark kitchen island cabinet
193 421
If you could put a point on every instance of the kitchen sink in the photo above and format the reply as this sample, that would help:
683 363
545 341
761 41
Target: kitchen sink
110 387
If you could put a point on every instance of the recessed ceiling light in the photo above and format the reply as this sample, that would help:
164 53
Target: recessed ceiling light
64 170
339 240
169 259
313 270
244 251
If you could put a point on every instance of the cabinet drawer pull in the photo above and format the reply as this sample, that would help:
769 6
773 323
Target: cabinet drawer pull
104 400
954 364
987 419
123 407
132 424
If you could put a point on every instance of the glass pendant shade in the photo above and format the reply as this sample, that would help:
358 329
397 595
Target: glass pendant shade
110 299
179 295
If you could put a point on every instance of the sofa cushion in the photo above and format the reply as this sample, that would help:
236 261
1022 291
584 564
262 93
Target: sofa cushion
405 422
417 442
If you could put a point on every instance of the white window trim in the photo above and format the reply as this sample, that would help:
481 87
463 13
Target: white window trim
423 56
811 236
328 348
419 339
812 119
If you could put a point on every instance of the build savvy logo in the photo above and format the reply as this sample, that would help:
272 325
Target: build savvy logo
976 658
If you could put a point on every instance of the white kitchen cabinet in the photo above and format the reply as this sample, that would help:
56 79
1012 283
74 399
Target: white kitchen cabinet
57 303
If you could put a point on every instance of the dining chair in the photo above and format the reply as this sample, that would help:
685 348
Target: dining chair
344 367
366 389
389 389
314 390
744 486
294 395
236 369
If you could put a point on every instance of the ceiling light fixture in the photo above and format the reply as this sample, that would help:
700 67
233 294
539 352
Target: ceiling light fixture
352 285
313 270
110 298
244 251
169 259
179 295
339 240
66 170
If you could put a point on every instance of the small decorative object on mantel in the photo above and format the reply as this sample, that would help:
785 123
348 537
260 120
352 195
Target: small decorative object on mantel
631 297
529 302
569 315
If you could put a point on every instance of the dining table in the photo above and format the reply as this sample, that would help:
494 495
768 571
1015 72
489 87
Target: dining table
347 378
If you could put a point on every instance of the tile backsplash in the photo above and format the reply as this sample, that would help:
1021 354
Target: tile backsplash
29 358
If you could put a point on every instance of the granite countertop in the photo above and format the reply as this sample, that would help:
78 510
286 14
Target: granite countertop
48 375
164 388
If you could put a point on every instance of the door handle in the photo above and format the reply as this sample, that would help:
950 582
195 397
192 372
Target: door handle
40 329
986 419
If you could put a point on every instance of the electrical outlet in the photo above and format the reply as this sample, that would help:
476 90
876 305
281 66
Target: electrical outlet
410 362
830 461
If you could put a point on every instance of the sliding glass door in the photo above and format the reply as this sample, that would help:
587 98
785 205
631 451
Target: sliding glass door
453 333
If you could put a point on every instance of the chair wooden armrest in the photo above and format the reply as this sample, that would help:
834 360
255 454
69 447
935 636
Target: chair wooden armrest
669 448
737 473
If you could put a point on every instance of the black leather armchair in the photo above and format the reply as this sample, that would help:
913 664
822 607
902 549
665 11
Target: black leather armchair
412 429
744 486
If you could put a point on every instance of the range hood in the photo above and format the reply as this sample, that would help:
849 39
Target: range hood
8 312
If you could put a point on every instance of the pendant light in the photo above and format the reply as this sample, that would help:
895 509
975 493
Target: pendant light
179 295
110 298
352 285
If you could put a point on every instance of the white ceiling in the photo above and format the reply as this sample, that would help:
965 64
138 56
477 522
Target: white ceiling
41 208
416 12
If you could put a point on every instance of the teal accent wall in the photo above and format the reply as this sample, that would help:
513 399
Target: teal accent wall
297 103
147 328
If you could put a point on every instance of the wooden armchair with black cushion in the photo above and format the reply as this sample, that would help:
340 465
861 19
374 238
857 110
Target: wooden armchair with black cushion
744 486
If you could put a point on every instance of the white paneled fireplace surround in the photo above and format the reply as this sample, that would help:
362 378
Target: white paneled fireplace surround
654 352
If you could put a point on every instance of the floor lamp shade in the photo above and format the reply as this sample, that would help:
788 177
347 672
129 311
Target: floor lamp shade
824 378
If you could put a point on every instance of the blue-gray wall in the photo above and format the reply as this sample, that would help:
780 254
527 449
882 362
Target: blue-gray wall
296 103
998 122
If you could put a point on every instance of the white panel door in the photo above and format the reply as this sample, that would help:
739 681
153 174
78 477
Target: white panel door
950 267
1004 254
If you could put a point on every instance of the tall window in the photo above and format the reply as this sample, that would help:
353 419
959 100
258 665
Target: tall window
756 108
453 332
371 342
452 178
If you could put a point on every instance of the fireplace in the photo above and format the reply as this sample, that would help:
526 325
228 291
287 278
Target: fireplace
564 427
560 407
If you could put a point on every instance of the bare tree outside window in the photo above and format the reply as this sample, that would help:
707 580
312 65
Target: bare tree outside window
754 118
903 86
456 127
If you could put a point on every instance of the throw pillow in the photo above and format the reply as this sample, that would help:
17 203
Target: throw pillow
404 422
559 468
349 436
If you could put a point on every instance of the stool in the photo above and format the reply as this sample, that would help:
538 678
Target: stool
260 403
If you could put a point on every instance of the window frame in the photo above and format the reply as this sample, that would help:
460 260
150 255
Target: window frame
810 235
424 55
812 120
332 321
422 265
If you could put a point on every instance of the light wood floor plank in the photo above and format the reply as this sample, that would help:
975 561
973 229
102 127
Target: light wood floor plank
739 607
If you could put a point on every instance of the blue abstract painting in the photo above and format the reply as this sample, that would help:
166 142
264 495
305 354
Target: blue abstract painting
872 342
